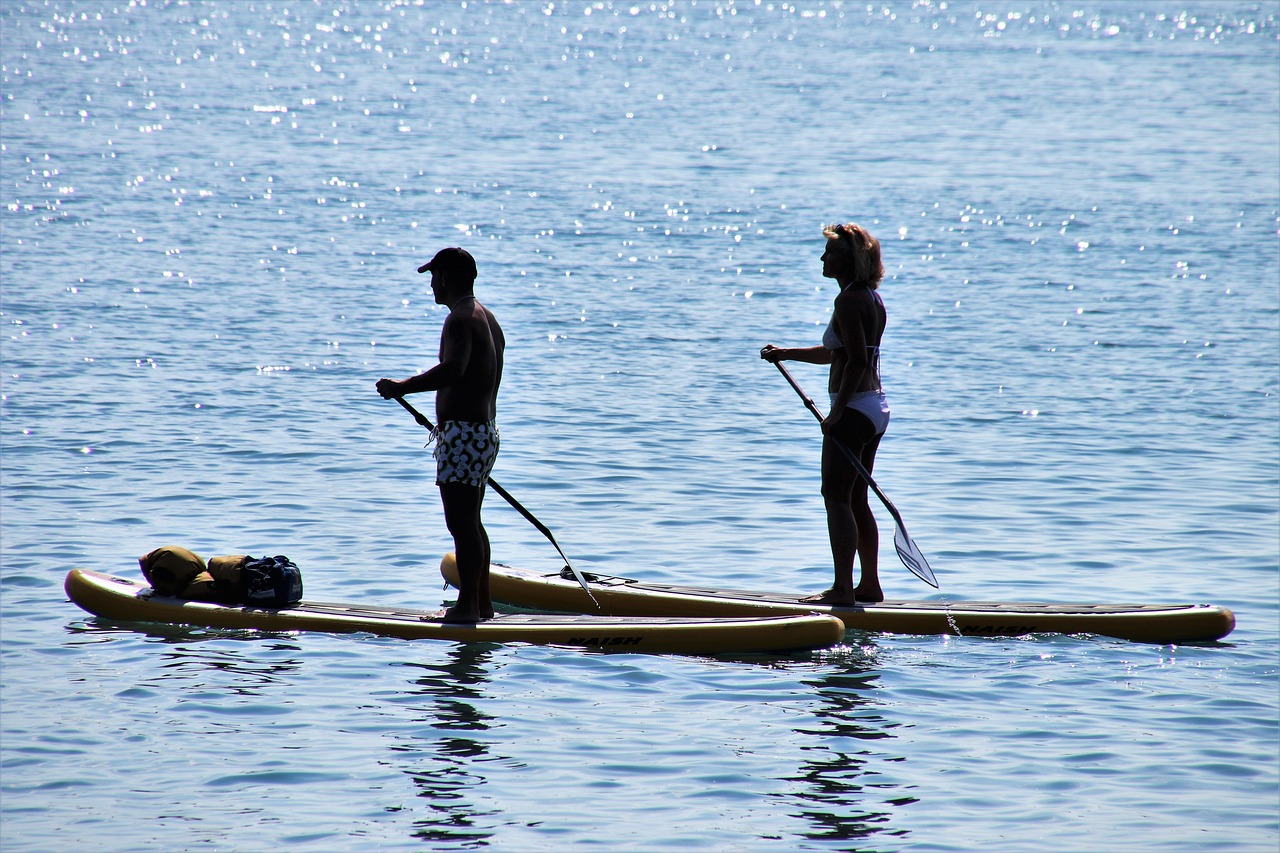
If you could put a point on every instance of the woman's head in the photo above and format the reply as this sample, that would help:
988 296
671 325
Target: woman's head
852 255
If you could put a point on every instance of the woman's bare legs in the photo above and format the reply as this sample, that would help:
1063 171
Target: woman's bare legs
851 526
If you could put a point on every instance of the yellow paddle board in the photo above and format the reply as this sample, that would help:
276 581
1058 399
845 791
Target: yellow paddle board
1147 623
122 599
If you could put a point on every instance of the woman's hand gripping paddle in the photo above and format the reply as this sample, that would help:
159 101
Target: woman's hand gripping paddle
906 547
506 496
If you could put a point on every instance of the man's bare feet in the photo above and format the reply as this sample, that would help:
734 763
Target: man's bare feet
457 614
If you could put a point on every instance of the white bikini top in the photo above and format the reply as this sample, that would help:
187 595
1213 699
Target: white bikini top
831 339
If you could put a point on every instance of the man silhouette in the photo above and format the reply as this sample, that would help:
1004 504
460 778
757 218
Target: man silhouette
466 384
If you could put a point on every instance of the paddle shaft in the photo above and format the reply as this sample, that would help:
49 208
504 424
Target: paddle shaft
506 496
849 454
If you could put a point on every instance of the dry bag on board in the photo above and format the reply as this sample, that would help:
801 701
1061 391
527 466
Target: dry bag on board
236 579
226 570
219 583
170 569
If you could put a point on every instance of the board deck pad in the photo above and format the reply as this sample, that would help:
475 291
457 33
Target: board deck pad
617 596
118 598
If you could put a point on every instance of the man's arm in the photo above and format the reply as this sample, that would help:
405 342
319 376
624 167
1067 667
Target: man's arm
455 356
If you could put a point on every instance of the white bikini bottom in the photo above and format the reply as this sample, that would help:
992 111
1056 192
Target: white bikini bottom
873 406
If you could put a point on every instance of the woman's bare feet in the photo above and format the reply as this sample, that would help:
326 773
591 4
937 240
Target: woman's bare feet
833 597
871 595
843 598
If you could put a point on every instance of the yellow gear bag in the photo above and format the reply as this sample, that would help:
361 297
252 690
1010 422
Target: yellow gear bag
170 569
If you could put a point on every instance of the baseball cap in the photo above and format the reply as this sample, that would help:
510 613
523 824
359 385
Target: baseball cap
451 260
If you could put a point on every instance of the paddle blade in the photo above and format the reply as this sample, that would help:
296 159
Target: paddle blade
582 582
911 557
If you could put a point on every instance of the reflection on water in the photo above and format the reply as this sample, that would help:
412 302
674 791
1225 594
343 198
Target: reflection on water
445 768
249 676
238 662
841 793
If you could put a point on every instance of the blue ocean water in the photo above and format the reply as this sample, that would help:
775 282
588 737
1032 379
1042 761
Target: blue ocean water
212 215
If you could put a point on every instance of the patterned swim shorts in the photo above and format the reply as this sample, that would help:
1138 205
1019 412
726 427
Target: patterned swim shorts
465 451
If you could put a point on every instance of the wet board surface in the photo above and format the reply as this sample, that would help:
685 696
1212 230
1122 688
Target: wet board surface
1150 623
117 598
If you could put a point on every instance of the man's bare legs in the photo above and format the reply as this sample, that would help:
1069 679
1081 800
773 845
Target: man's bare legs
471 549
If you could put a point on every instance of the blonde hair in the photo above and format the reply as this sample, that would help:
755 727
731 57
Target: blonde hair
863 265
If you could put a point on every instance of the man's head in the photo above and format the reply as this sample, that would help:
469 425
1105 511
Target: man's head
452 262
453 274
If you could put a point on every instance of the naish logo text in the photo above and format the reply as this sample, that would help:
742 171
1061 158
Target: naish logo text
996 630
604 641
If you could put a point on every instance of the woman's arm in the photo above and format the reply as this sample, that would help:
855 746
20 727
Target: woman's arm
809 355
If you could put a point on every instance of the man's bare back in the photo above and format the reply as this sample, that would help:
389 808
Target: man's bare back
472 339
